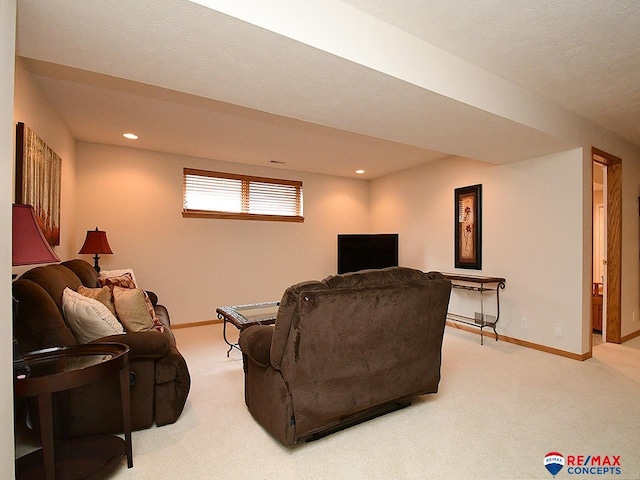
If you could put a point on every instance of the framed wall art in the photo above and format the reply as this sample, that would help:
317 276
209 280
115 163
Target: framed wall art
468 227
38 175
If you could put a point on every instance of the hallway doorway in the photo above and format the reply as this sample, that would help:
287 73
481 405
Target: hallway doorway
607 245
599 261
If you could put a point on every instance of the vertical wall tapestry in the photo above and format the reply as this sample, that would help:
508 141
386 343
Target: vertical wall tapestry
38 176
468 227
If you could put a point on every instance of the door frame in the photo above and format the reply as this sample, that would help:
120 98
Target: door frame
612 316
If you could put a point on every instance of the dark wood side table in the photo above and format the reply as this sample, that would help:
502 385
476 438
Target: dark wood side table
63 368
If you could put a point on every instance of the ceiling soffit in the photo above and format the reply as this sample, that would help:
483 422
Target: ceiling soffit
209 55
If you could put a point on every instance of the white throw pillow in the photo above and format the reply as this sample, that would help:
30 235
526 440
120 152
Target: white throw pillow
117 273
87 318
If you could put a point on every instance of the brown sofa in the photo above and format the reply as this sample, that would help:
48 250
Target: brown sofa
159 374
344 350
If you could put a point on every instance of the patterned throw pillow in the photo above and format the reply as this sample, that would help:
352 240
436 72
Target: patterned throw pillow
156 322
117 273
125 281
103 295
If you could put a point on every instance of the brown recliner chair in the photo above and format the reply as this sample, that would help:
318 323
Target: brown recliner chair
345 349
160 380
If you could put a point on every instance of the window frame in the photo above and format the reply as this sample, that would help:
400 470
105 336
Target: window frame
246 180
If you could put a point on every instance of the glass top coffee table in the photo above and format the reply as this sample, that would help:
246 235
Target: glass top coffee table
244 316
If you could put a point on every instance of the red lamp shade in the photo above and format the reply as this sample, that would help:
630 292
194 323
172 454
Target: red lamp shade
96 242
29 246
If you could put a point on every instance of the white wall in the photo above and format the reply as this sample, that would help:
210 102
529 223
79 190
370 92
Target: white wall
532 235
194 264
35 111
7 136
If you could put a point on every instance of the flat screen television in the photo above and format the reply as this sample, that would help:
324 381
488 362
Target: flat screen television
367 251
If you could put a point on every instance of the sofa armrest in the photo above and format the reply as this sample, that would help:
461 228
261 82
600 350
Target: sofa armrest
255 342
153 297
163 315
142 344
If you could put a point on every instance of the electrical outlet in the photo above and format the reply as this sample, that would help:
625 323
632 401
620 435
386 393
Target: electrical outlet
524 322
558 330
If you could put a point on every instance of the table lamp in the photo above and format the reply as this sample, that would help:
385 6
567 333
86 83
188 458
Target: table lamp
96 243
29 245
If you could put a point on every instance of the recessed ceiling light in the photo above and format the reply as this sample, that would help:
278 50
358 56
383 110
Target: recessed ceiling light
360 171
130 136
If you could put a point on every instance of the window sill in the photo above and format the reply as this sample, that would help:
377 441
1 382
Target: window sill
240 216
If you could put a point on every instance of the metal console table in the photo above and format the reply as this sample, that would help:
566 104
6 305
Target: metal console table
479 284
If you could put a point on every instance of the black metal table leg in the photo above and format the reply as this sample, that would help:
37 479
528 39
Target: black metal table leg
244 316
224 336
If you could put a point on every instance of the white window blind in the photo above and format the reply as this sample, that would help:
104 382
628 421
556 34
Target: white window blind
225 195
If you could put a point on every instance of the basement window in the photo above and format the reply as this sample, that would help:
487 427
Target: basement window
240 197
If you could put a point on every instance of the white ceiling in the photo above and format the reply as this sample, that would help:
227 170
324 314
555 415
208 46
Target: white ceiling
193 81
583 55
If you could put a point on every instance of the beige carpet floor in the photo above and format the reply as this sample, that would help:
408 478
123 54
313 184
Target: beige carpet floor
500 409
